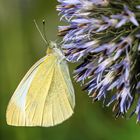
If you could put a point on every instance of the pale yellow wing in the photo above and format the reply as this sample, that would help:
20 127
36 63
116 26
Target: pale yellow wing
45 97
15 114
53 100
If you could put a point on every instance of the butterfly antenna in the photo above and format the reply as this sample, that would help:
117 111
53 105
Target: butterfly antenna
44 30
43 36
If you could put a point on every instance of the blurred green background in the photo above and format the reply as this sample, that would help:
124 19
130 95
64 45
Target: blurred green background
20 47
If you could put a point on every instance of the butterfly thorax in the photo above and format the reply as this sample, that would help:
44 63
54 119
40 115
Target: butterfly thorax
52 49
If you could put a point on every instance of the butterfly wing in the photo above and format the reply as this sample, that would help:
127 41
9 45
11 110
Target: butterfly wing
47 97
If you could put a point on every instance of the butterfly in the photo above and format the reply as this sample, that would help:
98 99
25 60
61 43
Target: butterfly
45 96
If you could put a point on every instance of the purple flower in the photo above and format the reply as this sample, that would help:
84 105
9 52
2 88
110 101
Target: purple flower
77 8
125 16
103 36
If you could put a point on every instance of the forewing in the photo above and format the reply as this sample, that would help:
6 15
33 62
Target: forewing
15 114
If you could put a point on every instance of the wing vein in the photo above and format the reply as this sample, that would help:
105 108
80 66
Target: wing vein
48 93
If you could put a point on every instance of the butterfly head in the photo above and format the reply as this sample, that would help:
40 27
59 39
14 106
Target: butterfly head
53 49
50 47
